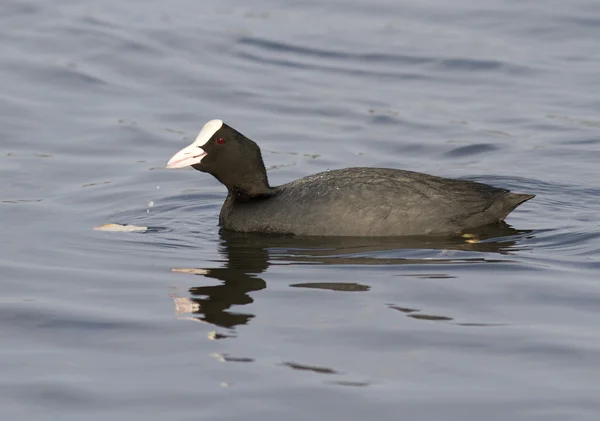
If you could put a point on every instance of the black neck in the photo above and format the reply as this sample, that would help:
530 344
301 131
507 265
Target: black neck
241 195
243 187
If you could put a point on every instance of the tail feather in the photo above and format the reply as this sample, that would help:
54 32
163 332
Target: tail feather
513 200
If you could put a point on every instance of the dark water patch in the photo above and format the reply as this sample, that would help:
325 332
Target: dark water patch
21 201
416 314
13 9
312 368
98 183
349 383
402 309
334 286
587 141
481 65
592 22
469 150
369 263
430 317
287 48
383 119
431 275
354 72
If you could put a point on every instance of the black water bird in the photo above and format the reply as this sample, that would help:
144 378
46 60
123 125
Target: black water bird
345 202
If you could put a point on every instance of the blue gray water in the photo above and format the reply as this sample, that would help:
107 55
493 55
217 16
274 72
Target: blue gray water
96 96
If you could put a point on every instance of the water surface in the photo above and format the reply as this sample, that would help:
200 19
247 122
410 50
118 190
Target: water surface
186 322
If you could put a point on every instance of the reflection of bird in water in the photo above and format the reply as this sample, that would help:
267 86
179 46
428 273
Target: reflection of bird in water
238 278
249 255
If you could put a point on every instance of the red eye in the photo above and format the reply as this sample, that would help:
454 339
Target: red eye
220 141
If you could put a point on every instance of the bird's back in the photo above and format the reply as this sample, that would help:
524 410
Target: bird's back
373 202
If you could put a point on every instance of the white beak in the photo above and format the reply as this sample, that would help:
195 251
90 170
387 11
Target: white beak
189 155
194 153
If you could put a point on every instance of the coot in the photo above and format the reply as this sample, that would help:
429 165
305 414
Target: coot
346 202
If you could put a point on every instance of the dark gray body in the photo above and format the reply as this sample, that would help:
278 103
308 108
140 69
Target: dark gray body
370 202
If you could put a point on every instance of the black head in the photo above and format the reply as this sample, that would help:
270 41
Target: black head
228 155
